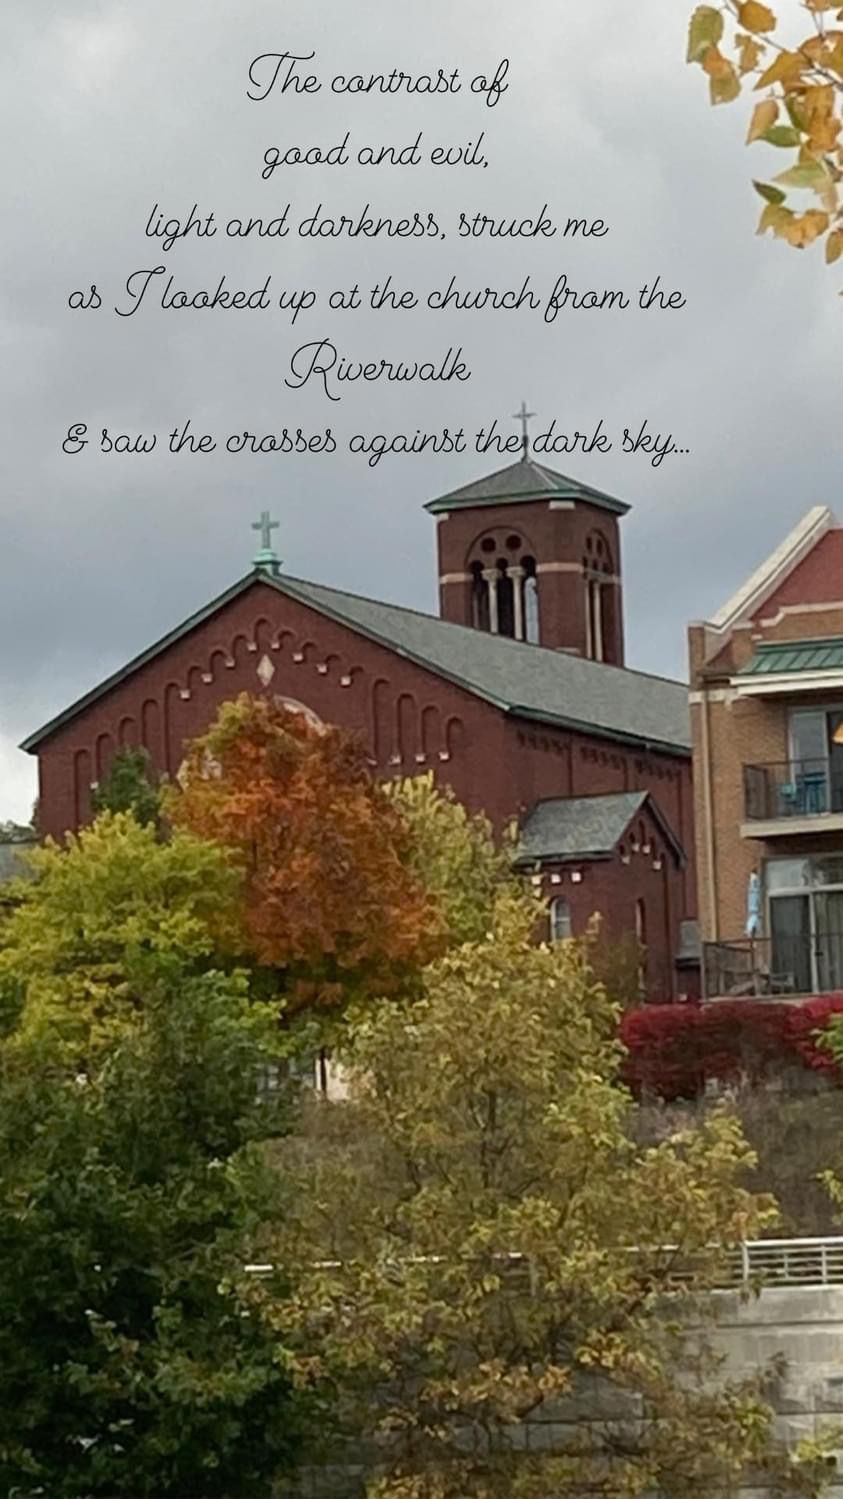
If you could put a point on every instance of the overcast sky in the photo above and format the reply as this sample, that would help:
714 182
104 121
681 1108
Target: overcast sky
107 108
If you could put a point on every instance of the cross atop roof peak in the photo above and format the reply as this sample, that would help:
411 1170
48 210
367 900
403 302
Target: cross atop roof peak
266 557
524 417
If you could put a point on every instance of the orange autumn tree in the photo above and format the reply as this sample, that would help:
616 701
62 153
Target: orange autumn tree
329 893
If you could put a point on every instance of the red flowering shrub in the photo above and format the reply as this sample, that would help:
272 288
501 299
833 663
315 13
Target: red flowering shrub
807 1021
673 1050
663 1052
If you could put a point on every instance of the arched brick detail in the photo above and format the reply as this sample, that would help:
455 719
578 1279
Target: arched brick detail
127 733
382 726
172 733
431 732
151 736
83 775
454 737
408 742
104 755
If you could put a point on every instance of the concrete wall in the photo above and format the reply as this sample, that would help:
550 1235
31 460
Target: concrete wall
804 1325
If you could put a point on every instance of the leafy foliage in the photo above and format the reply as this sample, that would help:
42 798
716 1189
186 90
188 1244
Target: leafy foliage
330 894
132 1176
99 912
128 788
674 1050
484 1236
454 854
802 85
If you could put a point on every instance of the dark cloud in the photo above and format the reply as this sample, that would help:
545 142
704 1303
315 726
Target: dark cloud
113 107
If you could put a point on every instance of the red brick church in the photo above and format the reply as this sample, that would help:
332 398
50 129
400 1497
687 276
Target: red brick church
518 696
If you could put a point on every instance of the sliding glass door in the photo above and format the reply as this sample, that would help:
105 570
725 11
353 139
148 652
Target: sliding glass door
805 917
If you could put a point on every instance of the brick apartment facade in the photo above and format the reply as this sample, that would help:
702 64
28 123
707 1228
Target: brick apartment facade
767 727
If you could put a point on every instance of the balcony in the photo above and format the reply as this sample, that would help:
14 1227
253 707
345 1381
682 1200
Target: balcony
773 967
790 797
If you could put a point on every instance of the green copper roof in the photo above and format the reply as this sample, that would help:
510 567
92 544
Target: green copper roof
520 483
527 681
796 656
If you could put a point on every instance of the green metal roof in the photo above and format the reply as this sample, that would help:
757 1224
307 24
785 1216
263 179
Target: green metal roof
520 483
796 656
527 681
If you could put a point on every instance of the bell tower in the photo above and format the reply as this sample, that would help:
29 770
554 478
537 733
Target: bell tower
532 554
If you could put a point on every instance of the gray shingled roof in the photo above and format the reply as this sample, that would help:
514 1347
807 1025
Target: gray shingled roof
524 679
584 827
520 482
528 681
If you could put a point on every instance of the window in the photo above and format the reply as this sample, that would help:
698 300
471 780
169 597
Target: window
641 939
560 920
816 756
506 601
805 923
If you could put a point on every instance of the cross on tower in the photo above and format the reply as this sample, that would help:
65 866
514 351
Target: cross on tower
523 416
266 556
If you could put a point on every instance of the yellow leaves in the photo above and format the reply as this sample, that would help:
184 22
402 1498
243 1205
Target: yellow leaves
777 218
810 176
756 17
725 85
706 30
750 52
807 228
834 246
797 230
785 69
764 116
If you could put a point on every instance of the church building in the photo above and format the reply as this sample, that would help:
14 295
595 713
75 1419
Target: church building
517 696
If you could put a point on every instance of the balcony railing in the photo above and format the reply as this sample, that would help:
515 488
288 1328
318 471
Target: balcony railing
791 789
767 967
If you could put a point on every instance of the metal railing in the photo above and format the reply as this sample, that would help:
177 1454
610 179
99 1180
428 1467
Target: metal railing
770 1262
788 1262
766 967
791 788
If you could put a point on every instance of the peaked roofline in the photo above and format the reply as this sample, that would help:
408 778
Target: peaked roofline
772 572
506 486
642 799
297 588
33 740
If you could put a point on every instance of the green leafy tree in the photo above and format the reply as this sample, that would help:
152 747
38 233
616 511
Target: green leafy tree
133 1175
79 931
128 788
455 855
485 1237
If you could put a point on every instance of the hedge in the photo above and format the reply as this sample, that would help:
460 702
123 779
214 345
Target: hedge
674 1050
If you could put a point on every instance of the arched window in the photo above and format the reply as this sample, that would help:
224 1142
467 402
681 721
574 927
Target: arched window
506 601
641 939
597 571
560 920
531 602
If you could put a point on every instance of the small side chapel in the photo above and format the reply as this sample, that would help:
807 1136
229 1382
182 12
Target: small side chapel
517 695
